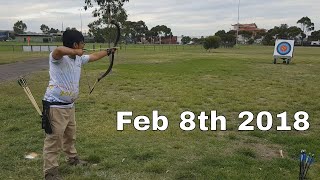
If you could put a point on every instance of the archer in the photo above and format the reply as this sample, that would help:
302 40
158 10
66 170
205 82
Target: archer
58 116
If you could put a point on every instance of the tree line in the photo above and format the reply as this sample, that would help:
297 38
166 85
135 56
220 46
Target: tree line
138 32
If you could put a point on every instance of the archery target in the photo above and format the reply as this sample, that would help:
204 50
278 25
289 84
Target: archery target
284 48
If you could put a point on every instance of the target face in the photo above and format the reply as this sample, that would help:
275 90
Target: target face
284 48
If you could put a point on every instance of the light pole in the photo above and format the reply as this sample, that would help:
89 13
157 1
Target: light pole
238 23
81 18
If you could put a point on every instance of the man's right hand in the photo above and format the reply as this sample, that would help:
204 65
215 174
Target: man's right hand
79 52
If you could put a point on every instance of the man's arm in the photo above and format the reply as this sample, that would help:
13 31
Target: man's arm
61 51
98 55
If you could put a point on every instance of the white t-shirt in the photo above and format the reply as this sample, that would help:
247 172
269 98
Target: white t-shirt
64 79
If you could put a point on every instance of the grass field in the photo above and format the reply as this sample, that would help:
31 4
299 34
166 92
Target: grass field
13 51
173 81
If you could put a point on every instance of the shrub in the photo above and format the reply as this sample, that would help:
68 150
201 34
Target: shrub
212 42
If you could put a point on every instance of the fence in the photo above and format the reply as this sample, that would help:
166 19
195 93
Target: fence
97 47
38 48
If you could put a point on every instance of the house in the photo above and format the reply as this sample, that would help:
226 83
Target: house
169 40
252 28
248 27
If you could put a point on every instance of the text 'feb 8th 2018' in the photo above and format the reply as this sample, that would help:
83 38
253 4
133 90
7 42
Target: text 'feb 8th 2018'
263 121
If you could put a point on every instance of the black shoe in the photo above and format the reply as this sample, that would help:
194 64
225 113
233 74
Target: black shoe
77 161
52 174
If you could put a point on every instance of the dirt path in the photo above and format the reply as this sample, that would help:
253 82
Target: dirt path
14 70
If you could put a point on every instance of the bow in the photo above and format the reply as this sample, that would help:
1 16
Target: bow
112 55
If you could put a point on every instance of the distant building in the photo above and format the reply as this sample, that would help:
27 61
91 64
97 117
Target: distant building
169 40
5 34
315 43
179 40
47 38
248 27
34 37
252 28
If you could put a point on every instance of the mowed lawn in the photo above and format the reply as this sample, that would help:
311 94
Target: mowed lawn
172 81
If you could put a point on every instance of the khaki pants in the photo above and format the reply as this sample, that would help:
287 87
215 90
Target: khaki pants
63 137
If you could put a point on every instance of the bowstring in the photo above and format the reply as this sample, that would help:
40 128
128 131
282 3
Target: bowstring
108 9
87 79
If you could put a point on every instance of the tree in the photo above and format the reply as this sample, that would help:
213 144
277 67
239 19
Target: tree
315 36
114 6
128 31
306 25
140 29
52 30
251 41
151 36
19 27
246 34
212 42
135 31
294 31
185 39
97 31
107 10
223 35
68 28
268 39
198 40
260 34
280 32
227 39
220 33
161 31
101 34
276 32
44 28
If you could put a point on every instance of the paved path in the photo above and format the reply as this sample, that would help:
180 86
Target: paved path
14 70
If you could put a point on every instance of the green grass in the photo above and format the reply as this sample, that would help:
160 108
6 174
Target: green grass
12 51
173 81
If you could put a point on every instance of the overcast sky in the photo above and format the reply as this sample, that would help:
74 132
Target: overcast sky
184 17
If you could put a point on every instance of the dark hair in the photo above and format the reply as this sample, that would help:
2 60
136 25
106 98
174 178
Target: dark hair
70 37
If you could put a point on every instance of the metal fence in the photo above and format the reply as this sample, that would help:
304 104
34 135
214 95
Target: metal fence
97 47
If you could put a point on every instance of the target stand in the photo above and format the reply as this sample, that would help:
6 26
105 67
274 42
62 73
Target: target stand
283 50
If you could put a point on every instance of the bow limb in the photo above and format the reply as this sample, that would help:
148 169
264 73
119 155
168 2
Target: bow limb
112 56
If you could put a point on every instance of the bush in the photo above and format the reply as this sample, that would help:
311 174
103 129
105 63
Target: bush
212 42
